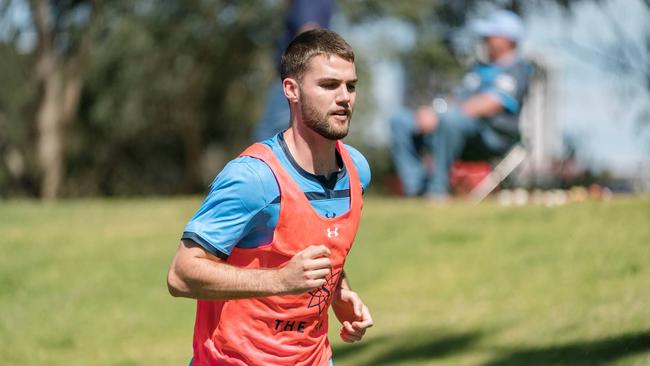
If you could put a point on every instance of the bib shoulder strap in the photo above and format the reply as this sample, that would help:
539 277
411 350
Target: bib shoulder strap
262 152
354 181
257 150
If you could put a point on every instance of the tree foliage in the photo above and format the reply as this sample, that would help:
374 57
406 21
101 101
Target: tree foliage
161 84
169 81
161 93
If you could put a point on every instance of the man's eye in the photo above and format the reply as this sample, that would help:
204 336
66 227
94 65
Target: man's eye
329 86
352 88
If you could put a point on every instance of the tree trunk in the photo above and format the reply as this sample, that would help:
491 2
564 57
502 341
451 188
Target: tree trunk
50 136
58 104
60 81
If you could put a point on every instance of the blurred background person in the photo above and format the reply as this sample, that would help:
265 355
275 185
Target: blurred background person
301 16
483 114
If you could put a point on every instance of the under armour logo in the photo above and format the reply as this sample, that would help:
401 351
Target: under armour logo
332 233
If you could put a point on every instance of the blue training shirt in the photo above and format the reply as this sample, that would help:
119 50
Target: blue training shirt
243 204
508 82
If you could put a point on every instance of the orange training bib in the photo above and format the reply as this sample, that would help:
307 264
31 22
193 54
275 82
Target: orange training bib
286 330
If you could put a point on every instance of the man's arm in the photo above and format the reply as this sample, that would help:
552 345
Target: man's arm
482 105
197 274
353 314
504 93
478 106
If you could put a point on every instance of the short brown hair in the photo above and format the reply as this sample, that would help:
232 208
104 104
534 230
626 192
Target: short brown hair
309 44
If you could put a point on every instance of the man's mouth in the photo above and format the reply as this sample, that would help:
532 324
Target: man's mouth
343 113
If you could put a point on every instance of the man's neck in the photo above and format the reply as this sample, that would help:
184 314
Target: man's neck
314 153
506 58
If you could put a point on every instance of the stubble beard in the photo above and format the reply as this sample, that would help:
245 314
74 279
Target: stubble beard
318 122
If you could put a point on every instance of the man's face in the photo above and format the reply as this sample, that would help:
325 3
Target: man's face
327 96
497 46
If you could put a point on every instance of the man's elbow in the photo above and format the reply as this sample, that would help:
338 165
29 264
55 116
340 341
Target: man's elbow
175 285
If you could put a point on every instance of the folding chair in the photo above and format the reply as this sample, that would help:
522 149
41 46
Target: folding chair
536 128
501 171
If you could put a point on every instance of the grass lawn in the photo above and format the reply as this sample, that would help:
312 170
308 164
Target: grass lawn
83 283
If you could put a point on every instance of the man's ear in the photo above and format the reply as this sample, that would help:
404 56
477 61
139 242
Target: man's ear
291 89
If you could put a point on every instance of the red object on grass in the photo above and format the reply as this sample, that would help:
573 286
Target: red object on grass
465 175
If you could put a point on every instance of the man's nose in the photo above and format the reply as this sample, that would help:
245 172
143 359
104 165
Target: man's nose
343 94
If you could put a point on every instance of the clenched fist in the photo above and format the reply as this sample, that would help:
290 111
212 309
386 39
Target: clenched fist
305 271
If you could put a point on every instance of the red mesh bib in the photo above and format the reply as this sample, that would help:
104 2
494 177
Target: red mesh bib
280 330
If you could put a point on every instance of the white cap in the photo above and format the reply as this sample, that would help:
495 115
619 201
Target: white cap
500 23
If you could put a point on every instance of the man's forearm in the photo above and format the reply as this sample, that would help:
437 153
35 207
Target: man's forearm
211 280
197 274
482 105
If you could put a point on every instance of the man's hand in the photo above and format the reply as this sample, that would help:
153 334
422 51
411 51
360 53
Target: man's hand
353 315
305 271
426 119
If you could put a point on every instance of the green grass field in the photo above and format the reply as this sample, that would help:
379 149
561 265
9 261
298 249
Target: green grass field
83 283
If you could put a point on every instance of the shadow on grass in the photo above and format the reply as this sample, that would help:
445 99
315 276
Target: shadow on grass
341 352
579 353
408 347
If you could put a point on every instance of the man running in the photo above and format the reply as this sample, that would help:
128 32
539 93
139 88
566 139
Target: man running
265 252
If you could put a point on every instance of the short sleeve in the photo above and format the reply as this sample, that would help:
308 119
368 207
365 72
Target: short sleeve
510 86
223 219
505 86
363 168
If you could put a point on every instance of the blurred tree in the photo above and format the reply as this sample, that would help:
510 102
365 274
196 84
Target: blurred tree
432 67
173 84
63 43
622 56
165 84
16 96
149 97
